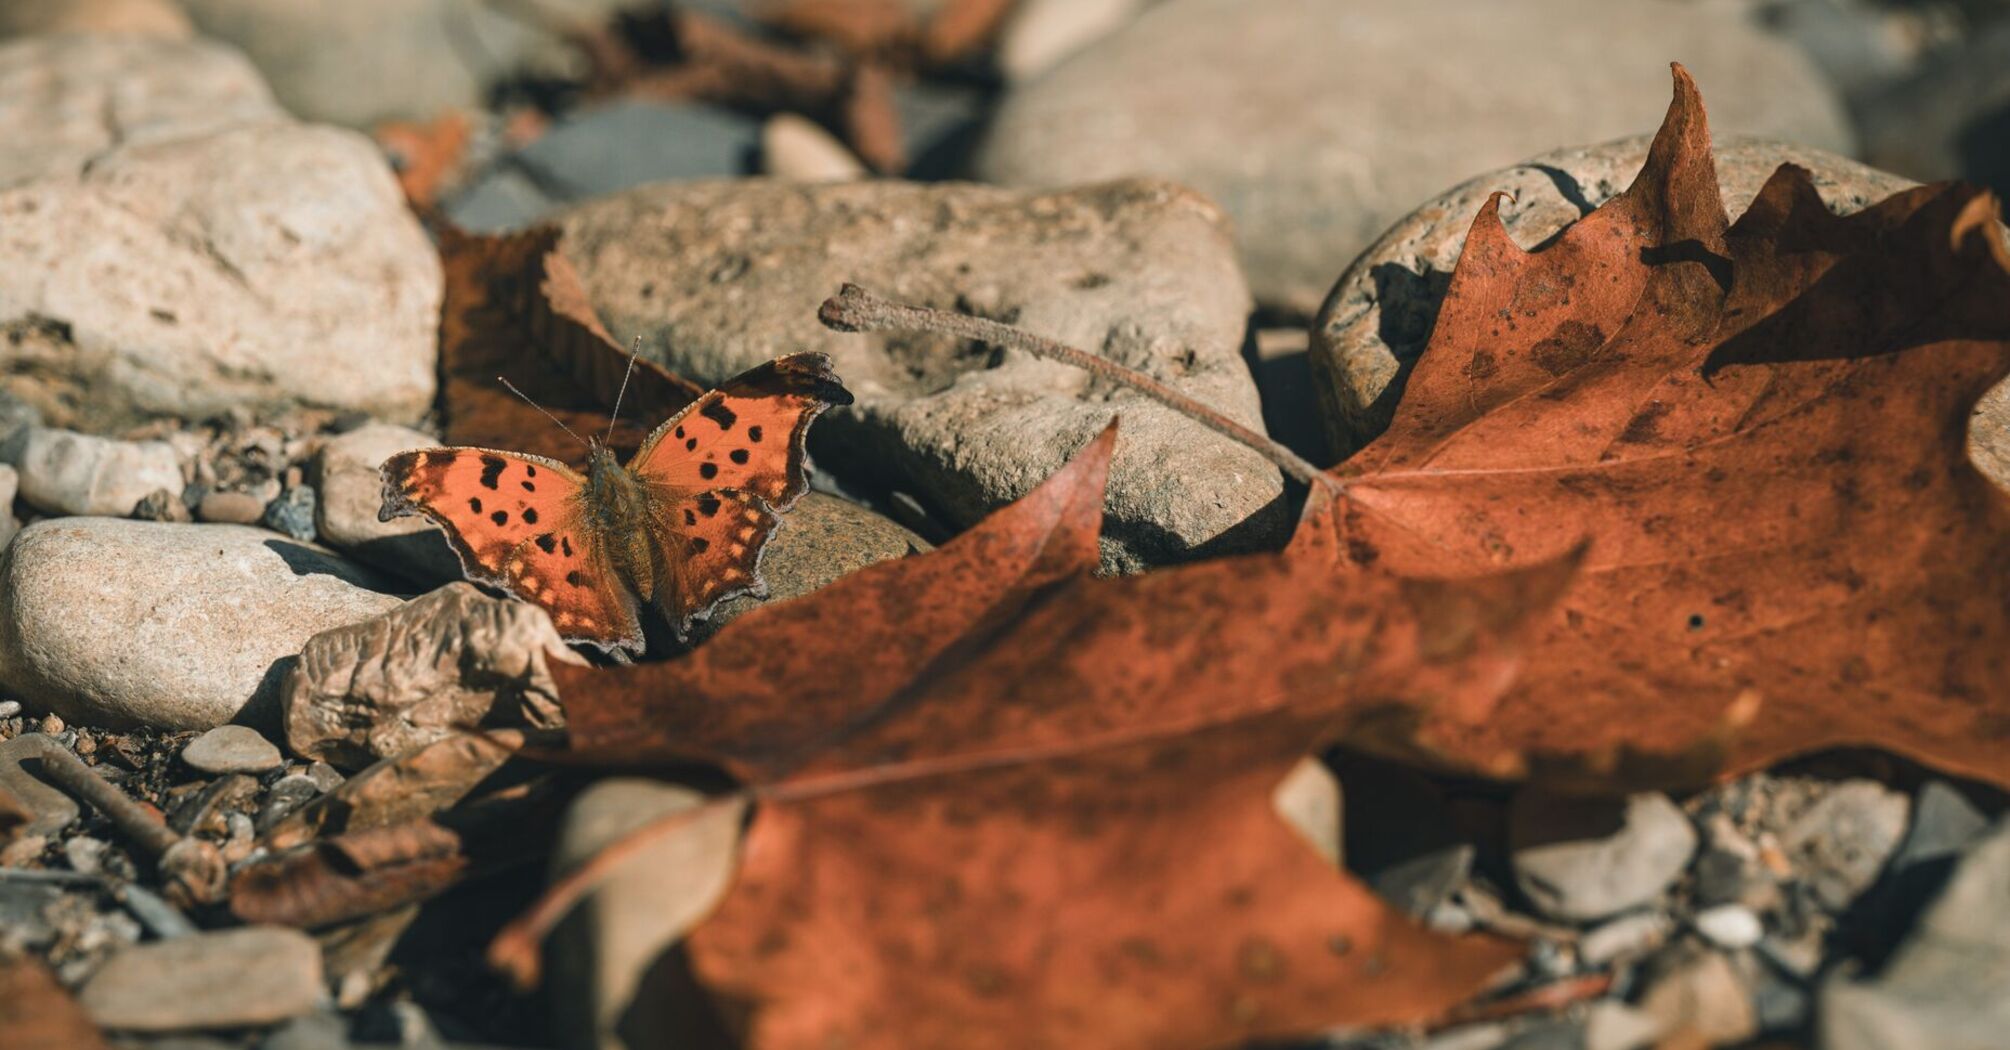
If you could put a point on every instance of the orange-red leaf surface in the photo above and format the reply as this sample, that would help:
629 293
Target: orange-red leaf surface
1005 803
37 1014
1761 428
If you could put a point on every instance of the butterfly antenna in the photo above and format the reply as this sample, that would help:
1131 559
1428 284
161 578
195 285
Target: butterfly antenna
615 416
541 408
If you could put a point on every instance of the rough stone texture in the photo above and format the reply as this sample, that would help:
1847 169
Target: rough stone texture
232 749
717 277
238 978
1582 858
1840 844
1944 987
453 659
351 491
1317 124
68 473
123 623
1378 318
796 147
359 62
159 18
821 538
67 99
614 987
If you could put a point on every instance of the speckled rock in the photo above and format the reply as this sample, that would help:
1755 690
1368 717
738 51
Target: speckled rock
1317 124
822 538
237 978
232 749
352 491
124 623
180 248
68 473
161 18
1583 858
717 277
1378 317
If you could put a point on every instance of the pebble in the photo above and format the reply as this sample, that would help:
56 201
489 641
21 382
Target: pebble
1840 844
9 708
1702 999
292 514
230 508
234 978
1612 1025
1312 124
1628 936
1729 926
85 855
10 483
49 809
232 749
261 264
1583 858
1379 315
122 623
351 492
64 472
150 17
1140 271
1038 34
796 147
607 148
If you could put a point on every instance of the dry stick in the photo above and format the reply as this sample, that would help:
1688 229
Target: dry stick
853 309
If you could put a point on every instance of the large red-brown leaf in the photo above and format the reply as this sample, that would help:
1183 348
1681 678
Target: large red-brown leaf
1761 428
1005 803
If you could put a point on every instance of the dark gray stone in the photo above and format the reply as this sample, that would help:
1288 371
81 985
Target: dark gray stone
632 142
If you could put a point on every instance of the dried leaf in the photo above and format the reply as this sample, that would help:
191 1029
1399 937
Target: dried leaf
454 659
411 786
1761 428
350 876
428 157
514 308
37 1014
1005 803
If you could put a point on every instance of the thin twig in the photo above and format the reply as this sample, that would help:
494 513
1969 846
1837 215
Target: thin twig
853 309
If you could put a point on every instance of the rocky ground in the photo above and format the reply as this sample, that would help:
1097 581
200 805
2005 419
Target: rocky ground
220 310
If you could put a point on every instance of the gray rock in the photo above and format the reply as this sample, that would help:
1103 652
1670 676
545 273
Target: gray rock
1140 272
237 978
796 147
612 147
608 991
10 484
1378 317
292 514
352 491
360 62
1626 937
1583 858
1729 926
1612 1025
447 661
64 472
151 17
1944 823
77 98
50 810
1840 844
1951 120
1316 125
1703 999
259 263
503 199
125 623
1038 34
1859 46
231 749
1943 988
821 538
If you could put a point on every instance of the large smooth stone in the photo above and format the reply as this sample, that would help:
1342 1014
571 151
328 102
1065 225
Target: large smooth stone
1316 124
118 623
717 277
236 978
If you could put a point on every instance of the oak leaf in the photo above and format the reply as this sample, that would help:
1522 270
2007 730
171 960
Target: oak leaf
1762 429
1005 803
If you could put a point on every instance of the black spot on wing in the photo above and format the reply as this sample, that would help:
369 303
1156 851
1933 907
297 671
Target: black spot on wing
738 455
547 543
690 444
700 544
718 413
574 578
530 515
529 471
754 433
500 517
708 471
565 544
690 518
528 487
492 468
475 504
708 504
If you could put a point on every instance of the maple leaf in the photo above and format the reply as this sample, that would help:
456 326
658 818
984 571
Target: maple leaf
514 308
1761 428
1005 803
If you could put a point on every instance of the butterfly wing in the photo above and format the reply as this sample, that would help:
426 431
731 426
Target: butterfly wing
707 548
747 435
519 523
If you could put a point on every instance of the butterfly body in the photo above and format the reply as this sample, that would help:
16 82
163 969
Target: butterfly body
682 525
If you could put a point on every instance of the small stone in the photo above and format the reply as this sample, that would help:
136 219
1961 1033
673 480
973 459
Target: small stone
126 623
1703 998
50 810
159 18
85 854
23 851
236 978
51 724
287 794
10 484
1308 799
1944 822
608 148
231 749
796 147
9 708
1038 34
1583 858
230 508
64 472
1613 1025
1729 926
162 505
316 1031
351 493
1489 1035
325 776
1628 936
1840 843
292 514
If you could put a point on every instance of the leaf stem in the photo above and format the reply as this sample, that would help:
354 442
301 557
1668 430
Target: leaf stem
853 309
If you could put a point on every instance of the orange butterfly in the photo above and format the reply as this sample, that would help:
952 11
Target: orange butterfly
682 525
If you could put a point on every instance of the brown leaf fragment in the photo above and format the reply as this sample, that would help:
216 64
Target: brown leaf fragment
1004 803
428 157
1761 430
426 780
961 28
514 309
37 1014
454 659
860 27
349 876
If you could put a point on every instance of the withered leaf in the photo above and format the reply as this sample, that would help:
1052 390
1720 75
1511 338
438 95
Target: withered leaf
1005 803
1761 429
514 308
37 1014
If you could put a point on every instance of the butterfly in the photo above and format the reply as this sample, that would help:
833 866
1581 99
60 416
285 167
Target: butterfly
682 525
